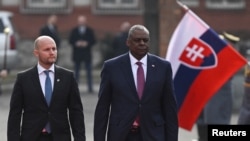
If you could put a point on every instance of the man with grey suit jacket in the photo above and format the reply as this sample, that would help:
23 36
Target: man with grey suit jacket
30 113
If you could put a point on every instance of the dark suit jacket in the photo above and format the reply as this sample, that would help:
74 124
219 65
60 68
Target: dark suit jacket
119 44
118 103
82 54
45 30
29 111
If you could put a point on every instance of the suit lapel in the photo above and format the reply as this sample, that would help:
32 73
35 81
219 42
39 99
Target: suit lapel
127 71
37 85
151 70
57 79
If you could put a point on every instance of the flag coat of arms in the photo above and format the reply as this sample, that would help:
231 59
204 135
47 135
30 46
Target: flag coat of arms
201 62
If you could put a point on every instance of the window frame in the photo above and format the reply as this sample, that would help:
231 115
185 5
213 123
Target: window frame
102 7
191 3
226 4
46 6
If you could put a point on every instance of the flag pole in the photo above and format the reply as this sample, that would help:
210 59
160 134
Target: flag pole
183 6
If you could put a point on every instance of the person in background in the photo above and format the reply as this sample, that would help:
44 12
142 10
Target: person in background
82 39
33 116
119 43
50 29
218 110
128 110
244 114
3 74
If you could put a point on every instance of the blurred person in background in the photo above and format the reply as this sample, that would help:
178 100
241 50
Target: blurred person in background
119 43
244 114
50 29
3 74
82 40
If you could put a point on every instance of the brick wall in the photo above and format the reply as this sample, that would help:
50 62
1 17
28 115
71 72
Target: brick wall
28 25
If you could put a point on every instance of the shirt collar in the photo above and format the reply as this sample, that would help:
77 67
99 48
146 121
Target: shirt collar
41 69
134 60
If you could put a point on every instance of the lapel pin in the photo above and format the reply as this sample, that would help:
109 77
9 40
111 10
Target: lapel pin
58 80
153 65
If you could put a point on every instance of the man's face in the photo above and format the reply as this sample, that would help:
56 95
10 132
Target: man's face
46 53
138 43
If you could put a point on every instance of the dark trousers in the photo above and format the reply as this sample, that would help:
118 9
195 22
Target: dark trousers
88 68
202 128
134 136
45 137
202 132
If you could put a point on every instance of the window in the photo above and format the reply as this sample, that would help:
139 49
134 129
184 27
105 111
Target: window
46 3
118 3
117 6
46 6
225 4
191 3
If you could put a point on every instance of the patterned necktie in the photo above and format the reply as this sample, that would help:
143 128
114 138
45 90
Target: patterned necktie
140 79
48 93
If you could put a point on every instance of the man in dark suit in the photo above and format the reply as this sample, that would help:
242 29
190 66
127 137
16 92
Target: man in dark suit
119 44
82 39
30 112
50 29
120 111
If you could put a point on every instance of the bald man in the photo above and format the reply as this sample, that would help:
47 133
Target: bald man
30 112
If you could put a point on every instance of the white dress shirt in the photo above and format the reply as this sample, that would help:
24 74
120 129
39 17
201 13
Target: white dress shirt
42 76
134 66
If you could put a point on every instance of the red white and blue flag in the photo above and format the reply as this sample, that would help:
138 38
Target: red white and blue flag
202 62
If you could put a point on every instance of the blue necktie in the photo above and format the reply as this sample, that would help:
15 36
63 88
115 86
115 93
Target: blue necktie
48 93
48 87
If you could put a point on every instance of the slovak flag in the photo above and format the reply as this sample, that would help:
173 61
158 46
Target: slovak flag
202 62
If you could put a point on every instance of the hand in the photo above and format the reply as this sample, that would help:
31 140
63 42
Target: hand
81 43
3 73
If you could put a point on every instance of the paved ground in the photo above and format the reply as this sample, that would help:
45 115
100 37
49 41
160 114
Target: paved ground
89 102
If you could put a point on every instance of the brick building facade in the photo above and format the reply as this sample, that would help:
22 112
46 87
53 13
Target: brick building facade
235 21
